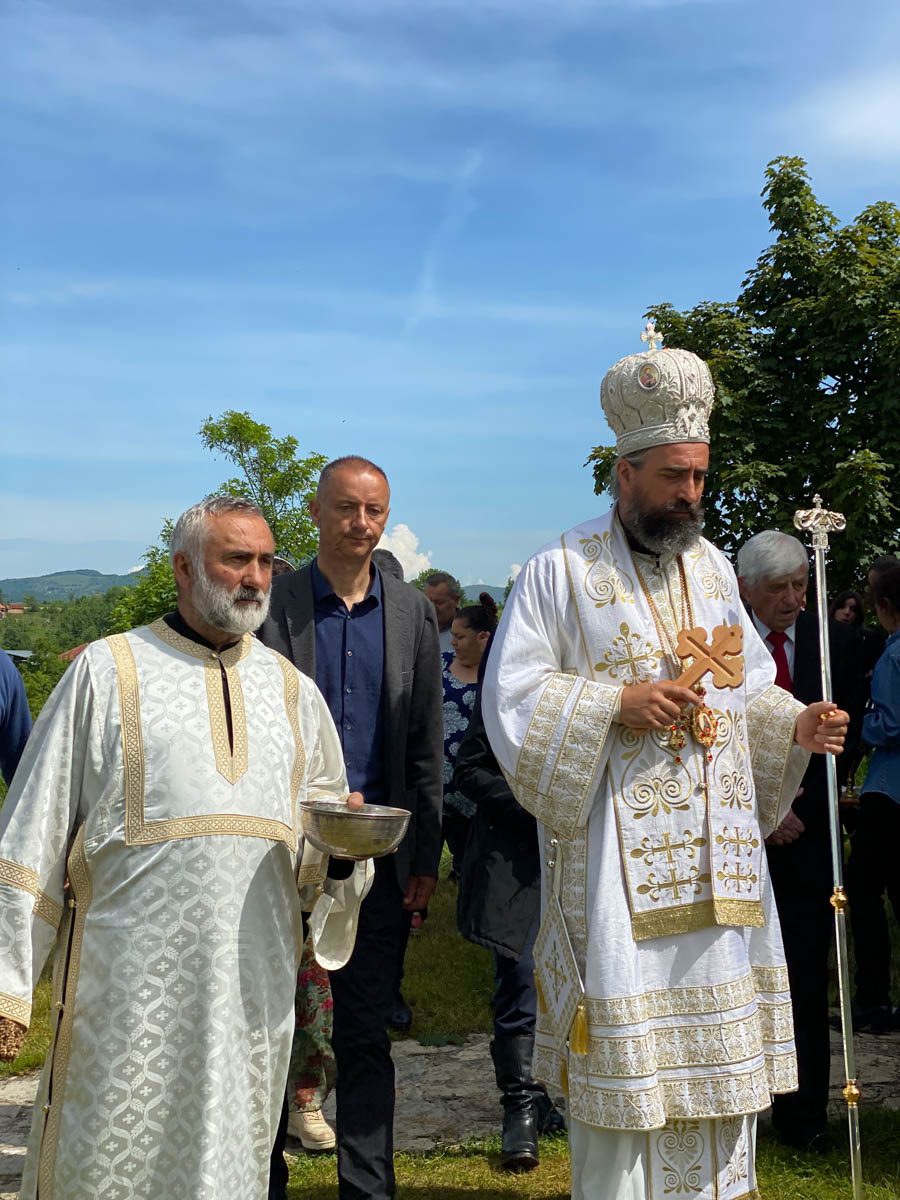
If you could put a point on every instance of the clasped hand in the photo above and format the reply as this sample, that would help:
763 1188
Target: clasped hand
653 705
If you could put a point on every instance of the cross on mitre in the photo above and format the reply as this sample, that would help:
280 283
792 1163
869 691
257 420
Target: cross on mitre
651 336
722 656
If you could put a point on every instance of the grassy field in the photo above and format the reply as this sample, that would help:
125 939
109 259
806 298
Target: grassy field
449 984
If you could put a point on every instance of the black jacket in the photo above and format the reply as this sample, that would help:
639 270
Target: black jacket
412 701
500 880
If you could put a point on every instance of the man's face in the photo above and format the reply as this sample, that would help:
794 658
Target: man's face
229 590
659 501
350 513
777 602
444 603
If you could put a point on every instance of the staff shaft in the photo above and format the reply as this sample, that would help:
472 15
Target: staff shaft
839 896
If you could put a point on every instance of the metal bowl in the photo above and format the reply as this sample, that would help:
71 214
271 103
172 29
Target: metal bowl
368 832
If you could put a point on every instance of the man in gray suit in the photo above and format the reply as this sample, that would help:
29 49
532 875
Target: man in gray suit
370 642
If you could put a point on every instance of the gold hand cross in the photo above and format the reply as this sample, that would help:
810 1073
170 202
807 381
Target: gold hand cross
722 656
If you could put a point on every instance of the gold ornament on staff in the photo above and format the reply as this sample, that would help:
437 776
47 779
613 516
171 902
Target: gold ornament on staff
820 523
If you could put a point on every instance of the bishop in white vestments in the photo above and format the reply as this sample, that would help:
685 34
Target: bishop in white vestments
664 1009
152 834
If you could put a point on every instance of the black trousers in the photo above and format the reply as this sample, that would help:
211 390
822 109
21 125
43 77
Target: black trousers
363 995
871 871
802 881
515 998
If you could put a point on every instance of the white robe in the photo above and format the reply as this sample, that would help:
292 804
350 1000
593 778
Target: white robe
686 990
166 866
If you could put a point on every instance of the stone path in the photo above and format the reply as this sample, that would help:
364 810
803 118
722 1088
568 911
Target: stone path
446 1095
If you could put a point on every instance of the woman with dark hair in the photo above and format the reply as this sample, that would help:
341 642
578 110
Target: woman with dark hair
872 868
847 607
470 633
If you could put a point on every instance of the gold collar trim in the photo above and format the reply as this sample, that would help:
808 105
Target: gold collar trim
228 658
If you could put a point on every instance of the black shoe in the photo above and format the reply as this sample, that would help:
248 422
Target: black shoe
401 1017
549 1120
512 1068
819 1143
873 1020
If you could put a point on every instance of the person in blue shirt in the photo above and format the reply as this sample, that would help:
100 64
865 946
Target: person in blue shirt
15 719
872 868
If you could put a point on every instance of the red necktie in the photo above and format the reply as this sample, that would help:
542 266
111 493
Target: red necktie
782 670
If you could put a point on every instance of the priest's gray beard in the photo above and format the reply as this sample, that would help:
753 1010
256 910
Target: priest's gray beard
240 611
660 532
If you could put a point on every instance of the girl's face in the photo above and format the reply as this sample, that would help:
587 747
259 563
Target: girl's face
848 612
467 644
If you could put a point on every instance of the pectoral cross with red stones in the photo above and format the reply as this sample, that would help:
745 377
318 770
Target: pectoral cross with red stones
722 656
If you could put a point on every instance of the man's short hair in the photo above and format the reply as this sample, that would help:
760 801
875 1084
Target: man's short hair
454 587
191 528
635 460
770 555
348 460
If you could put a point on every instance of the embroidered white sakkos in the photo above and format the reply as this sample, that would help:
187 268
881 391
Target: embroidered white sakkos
664 885
165 864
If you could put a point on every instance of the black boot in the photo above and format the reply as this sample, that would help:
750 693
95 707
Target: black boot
548 1118
512 1067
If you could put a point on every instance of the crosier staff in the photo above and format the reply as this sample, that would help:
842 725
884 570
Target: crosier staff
820 523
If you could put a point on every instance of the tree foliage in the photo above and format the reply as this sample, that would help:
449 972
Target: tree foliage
272 477
154 594
807 368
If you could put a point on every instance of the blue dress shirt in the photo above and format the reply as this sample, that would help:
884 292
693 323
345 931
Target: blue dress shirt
881 726
350 675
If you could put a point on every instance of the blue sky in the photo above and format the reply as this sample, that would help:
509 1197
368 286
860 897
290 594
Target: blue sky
416 230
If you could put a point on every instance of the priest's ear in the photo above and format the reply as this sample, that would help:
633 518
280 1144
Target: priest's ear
183 570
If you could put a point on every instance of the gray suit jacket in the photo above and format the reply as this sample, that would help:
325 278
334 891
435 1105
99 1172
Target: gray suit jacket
412 699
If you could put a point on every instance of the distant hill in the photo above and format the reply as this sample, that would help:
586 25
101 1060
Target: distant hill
63 584
471 591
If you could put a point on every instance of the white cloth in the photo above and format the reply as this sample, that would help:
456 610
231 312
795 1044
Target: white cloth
664 884
706 1160
179 932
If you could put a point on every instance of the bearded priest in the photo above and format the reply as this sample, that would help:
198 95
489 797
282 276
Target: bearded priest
633 707
152 833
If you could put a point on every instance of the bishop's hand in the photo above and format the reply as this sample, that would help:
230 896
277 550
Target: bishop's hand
653 705
821 728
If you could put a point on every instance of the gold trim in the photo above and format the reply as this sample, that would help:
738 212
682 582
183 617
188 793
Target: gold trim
739 912
291 705
584 646
27 880
229 658
80 882
139 831
230 763
686 918
15 1008
673 1002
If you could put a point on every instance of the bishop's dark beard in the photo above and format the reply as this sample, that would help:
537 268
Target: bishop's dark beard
660 532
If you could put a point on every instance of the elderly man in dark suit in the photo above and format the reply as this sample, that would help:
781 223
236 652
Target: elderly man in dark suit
370 642
773 573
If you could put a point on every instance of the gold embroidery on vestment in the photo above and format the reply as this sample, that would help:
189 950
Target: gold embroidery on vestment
65 986
139 831
27 880
15 1008
605 582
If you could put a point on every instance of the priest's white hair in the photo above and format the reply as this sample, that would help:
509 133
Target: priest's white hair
770 555
191 528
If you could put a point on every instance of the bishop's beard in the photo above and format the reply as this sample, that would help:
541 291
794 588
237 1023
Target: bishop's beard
658 531
222 609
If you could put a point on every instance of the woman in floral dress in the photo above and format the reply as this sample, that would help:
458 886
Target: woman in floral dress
470 633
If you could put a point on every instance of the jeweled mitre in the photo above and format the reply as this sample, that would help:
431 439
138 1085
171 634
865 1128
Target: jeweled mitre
658 397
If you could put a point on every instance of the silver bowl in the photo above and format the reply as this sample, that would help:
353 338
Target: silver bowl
368 832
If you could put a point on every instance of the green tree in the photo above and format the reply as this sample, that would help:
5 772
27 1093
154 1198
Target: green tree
423 576
154 594
272 477
807 368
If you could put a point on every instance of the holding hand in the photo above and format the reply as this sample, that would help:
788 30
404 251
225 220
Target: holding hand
788 831
653 705
821 728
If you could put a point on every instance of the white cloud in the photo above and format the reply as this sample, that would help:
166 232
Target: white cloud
514 569
403 543
853 118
